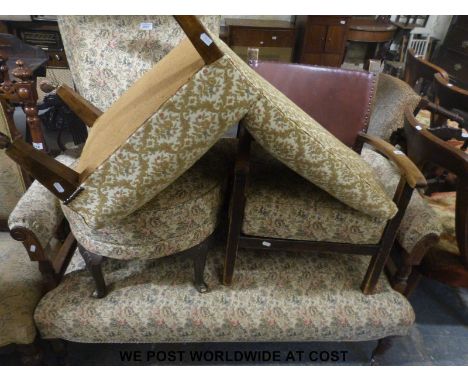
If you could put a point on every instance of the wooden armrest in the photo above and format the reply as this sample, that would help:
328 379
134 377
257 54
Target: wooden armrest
84 109
408 169
437 109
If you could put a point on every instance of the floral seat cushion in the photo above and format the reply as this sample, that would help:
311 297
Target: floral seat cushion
279 297
173 114
180 217
20 291
282 204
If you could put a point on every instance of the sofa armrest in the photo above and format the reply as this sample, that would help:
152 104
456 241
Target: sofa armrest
408 169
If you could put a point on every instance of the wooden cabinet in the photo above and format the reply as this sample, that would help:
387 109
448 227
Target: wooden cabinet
321 39
275 39
453 55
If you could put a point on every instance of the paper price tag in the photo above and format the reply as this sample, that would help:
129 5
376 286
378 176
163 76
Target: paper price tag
38 146
206 39
146 26
59 187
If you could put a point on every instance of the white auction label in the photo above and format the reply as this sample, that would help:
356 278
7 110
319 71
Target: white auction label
59 187
38 146
206 39
146 26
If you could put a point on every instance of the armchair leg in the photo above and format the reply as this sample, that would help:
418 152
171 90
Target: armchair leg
199 261
94 266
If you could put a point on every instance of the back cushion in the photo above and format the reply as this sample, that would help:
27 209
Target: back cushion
339 99
107 54
169 118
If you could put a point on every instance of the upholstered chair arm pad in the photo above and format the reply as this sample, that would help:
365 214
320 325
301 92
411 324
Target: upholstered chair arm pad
84 109
38 210
408 169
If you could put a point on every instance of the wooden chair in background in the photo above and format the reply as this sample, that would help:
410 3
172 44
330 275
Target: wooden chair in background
424 148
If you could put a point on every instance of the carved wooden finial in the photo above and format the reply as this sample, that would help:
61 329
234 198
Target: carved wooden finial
21 71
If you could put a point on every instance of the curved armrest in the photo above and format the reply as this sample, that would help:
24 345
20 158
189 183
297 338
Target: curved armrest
408 169
84 109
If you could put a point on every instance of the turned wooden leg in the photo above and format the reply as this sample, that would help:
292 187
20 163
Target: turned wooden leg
31 355
382 346
199 261
94 266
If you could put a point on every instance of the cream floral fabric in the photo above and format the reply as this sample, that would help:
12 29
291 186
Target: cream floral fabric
276 297
196 116
171 141
11 180
180 217
38 210
20 291
282 204
420 220
391 98
107 54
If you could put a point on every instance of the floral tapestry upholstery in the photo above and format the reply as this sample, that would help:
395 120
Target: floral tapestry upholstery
282 204
391 98
277 297
38 210
11 179
419 220
107 54
20 291
190 121
180 217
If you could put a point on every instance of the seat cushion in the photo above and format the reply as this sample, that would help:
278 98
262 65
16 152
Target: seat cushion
277 297
173 114
282 204
180 217
20 291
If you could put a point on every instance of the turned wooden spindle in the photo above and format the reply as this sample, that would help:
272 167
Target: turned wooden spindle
27 95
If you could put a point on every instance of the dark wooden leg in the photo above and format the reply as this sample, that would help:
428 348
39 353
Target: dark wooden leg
382 346
199 261
31 355
237 203
94 266
378 261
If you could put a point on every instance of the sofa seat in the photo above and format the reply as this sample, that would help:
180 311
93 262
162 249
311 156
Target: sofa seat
282 204
278 297
180 217
20 291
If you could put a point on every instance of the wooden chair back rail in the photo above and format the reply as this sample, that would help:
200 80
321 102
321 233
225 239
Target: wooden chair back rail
379 252
439 110
424 147
449 96
417 68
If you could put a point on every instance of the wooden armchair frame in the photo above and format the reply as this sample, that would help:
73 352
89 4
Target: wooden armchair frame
423 147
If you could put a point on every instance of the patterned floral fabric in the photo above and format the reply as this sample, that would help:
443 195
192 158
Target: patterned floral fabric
282 204
38 210
276 297
20 291
196 116
11 180
174 138
107 54
392 96
180 217
419 220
